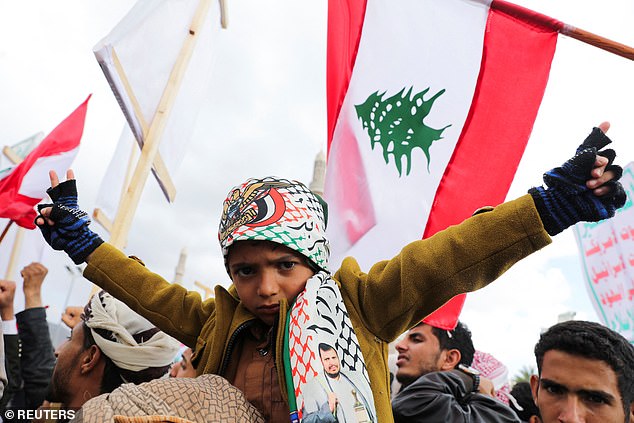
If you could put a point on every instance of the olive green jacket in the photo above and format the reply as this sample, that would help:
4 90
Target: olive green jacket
383 303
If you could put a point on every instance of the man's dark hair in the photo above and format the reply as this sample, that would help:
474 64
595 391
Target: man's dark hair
325 347
596 342
459 339
523 396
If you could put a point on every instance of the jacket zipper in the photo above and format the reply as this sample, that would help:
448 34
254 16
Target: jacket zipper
230 344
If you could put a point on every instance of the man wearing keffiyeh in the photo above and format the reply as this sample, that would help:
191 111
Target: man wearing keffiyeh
112 345
261 332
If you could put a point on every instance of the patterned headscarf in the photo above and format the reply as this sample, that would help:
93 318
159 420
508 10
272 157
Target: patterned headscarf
129 340
277 210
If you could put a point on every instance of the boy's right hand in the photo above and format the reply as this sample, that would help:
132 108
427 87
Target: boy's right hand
63 225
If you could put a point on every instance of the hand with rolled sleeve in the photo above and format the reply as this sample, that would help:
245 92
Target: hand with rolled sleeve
63 224
585 188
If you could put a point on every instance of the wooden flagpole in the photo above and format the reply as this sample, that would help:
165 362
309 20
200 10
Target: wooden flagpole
587 37
15 253
5 230
19 233
598 41
131 198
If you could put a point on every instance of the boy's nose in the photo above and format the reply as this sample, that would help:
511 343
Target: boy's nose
268 284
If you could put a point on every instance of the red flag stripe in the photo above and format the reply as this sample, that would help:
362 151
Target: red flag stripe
63 139
498 126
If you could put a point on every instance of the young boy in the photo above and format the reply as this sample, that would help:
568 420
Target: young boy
272 235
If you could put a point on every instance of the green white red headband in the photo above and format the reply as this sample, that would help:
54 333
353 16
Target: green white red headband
277 210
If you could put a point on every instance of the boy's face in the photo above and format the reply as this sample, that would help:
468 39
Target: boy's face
263 273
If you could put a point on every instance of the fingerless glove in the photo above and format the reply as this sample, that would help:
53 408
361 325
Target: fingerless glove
566 200
71 232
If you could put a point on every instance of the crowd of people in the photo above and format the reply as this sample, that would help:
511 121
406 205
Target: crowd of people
293 340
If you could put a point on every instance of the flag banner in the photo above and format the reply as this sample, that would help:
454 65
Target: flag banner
430 106
112 187
17 152
138 58
26 184
607 258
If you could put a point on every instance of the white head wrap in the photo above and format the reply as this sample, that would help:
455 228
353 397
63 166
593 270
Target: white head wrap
156 349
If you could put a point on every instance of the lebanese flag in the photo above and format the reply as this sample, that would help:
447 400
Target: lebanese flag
430 106
26 185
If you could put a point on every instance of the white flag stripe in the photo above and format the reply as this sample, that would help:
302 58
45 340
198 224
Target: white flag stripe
453 38
36 180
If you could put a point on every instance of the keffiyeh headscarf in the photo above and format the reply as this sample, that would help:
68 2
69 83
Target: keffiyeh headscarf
129 340
288 213
276 210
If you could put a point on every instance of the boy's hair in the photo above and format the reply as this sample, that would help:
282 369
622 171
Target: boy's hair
459 339
596 342
277 210
524 405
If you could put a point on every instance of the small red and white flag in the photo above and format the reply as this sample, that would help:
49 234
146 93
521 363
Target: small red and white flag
430 106
26 184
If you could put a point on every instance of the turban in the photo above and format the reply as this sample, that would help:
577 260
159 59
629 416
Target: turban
129 340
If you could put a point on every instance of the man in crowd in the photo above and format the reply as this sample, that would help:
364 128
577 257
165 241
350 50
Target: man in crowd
111 345
521 401
29 353
586 374
184 366
437 382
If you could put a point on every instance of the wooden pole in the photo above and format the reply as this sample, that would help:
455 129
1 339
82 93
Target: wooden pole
131 198
15 253
528 15
5 230
158 165
19 233
598 41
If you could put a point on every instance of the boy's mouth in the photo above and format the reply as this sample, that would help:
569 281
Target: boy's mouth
269 309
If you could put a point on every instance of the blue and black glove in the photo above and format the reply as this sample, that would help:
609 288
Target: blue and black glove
567 200
70 232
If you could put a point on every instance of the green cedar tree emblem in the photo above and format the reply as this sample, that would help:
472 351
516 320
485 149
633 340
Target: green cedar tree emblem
397 124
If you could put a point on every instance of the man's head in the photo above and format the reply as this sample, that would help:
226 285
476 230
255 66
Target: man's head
330 360
586 373
184 366
272 235
523 404
110 346
427 349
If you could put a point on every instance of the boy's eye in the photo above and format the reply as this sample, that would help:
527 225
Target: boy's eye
244 271
287 265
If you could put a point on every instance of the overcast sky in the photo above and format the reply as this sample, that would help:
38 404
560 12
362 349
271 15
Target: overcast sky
266 114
